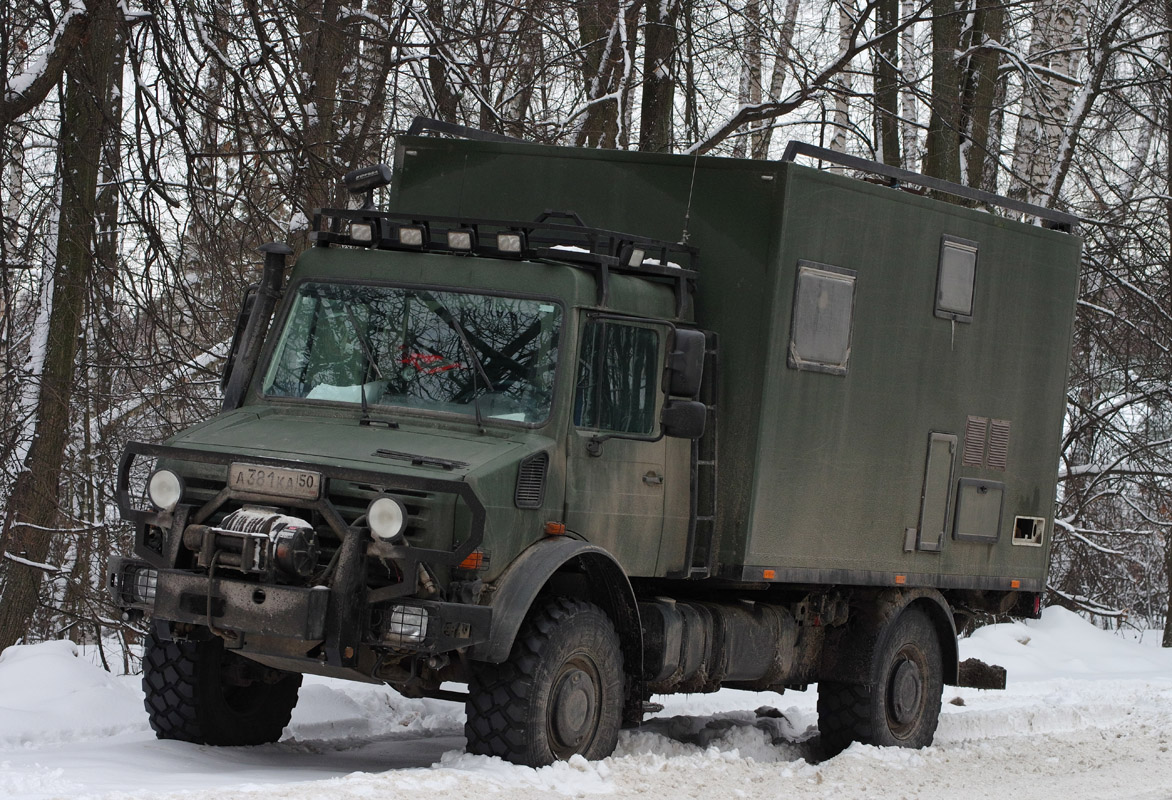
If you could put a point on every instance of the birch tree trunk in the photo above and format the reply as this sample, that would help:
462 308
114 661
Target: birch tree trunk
1046 100
782 64
843 83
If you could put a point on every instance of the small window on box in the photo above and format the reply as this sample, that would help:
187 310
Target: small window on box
1029 531
824 304
956 279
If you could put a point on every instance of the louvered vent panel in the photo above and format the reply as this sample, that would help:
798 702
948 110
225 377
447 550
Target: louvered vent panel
974 442
999 444
530 492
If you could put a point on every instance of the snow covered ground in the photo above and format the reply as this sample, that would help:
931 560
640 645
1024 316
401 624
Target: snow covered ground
1087 714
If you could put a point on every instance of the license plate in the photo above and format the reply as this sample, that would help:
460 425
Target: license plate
278 481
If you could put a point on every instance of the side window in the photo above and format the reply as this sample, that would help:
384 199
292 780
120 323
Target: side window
823 316
956 278
618 378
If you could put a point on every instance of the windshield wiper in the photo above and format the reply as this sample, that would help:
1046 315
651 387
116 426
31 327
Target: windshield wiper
370 361
441 311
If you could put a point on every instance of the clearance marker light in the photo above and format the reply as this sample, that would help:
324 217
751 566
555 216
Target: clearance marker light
555 528
900 580
768 574
1015 584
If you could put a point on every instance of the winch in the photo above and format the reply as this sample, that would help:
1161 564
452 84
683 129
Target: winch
259 540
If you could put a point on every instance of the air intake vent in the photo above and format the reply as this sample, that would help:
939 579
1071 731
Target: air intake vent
974 442
530 491
999 444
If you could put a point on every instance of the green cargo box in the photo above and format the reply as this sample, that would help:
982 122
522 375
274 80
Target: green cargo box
892 367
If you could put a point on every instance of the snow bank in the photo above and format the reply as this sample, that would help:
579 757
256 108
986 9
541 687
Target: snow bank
48 693
1087 714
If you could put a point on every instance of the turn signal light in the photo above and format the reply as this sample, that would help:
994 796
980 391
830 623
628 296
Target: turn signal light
474 561
555 528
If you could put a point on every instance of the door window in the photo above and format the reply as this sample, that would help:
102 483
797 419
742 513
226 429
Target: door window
618 378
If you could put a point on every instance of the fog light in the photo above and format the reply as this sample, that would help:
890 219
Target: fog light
143 585
165 489
407 625
387 518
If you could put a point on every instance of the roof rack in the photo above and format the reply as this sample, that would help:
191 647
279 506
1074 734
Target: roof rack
1055 220
600 250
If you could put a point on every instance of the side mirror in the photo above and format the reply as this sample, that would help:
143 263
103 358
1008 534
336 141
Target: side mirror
238 335
685 363
684 419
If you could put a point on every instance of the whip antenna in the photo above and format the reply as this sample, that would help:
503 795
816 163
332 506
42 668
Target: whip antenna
688 210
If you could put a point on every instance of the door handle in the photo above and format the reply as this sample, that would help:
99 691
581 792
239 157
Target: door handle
653 479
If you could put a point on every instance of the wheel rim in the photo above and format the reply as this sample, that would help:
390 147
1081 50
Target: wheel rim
905 692
574 709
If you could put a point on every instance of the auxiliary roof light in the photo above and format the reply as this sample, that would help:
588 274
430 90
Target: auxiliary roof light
362 232
510 242
461 239
636 257
412 235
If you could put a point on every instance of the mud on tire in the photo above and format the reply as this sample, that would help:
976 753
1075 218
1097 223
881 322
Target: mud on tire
901 705
560 692
196 691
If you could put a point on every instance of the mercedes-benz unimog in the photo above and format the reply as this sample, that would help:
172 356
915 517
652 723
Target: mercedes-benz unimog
575 428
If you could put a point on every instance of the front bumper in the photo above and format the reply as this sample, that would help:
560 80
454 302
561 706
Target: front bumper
289 612
340 614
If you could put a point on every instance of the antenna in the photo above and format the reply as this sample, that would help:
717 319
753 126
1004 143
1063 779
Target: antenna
688 211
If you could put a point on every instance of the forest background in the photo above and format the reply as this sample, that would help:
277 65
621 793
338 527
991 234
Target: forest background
147 150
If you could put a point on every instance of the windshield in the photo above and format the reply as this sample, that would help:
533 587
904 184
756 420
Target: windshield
418 348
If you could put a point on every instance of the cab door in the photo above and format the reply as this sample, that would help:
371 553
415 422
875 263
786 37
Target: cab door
616 472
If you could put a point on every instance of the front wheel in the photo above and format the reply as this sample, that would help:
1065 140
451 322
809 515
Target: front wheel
901 705
559 694
196 691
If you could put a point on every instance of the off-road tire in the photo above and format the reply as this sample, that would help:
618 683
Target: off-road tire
901 705
560 693
196 691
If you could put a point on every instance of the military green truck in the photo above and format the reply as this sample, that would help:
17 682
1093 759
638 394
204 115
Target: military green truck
575 428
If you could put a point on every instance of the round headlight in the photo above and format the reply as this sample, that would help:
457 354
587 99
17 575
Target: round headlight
165 489
387 518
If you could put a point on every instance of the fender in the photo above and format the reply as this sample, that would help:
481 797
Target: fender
850 650
605 584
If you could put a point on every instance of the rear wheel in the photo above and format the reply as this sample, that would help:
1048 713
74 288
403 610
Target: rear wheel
901 705
559 694
196 691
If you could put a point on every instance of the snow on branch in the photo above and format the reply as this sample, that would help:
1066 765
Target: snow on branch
28 88
1089 605
49 568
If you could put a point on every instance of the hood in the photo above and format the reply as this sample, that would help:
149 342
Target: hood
343 442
